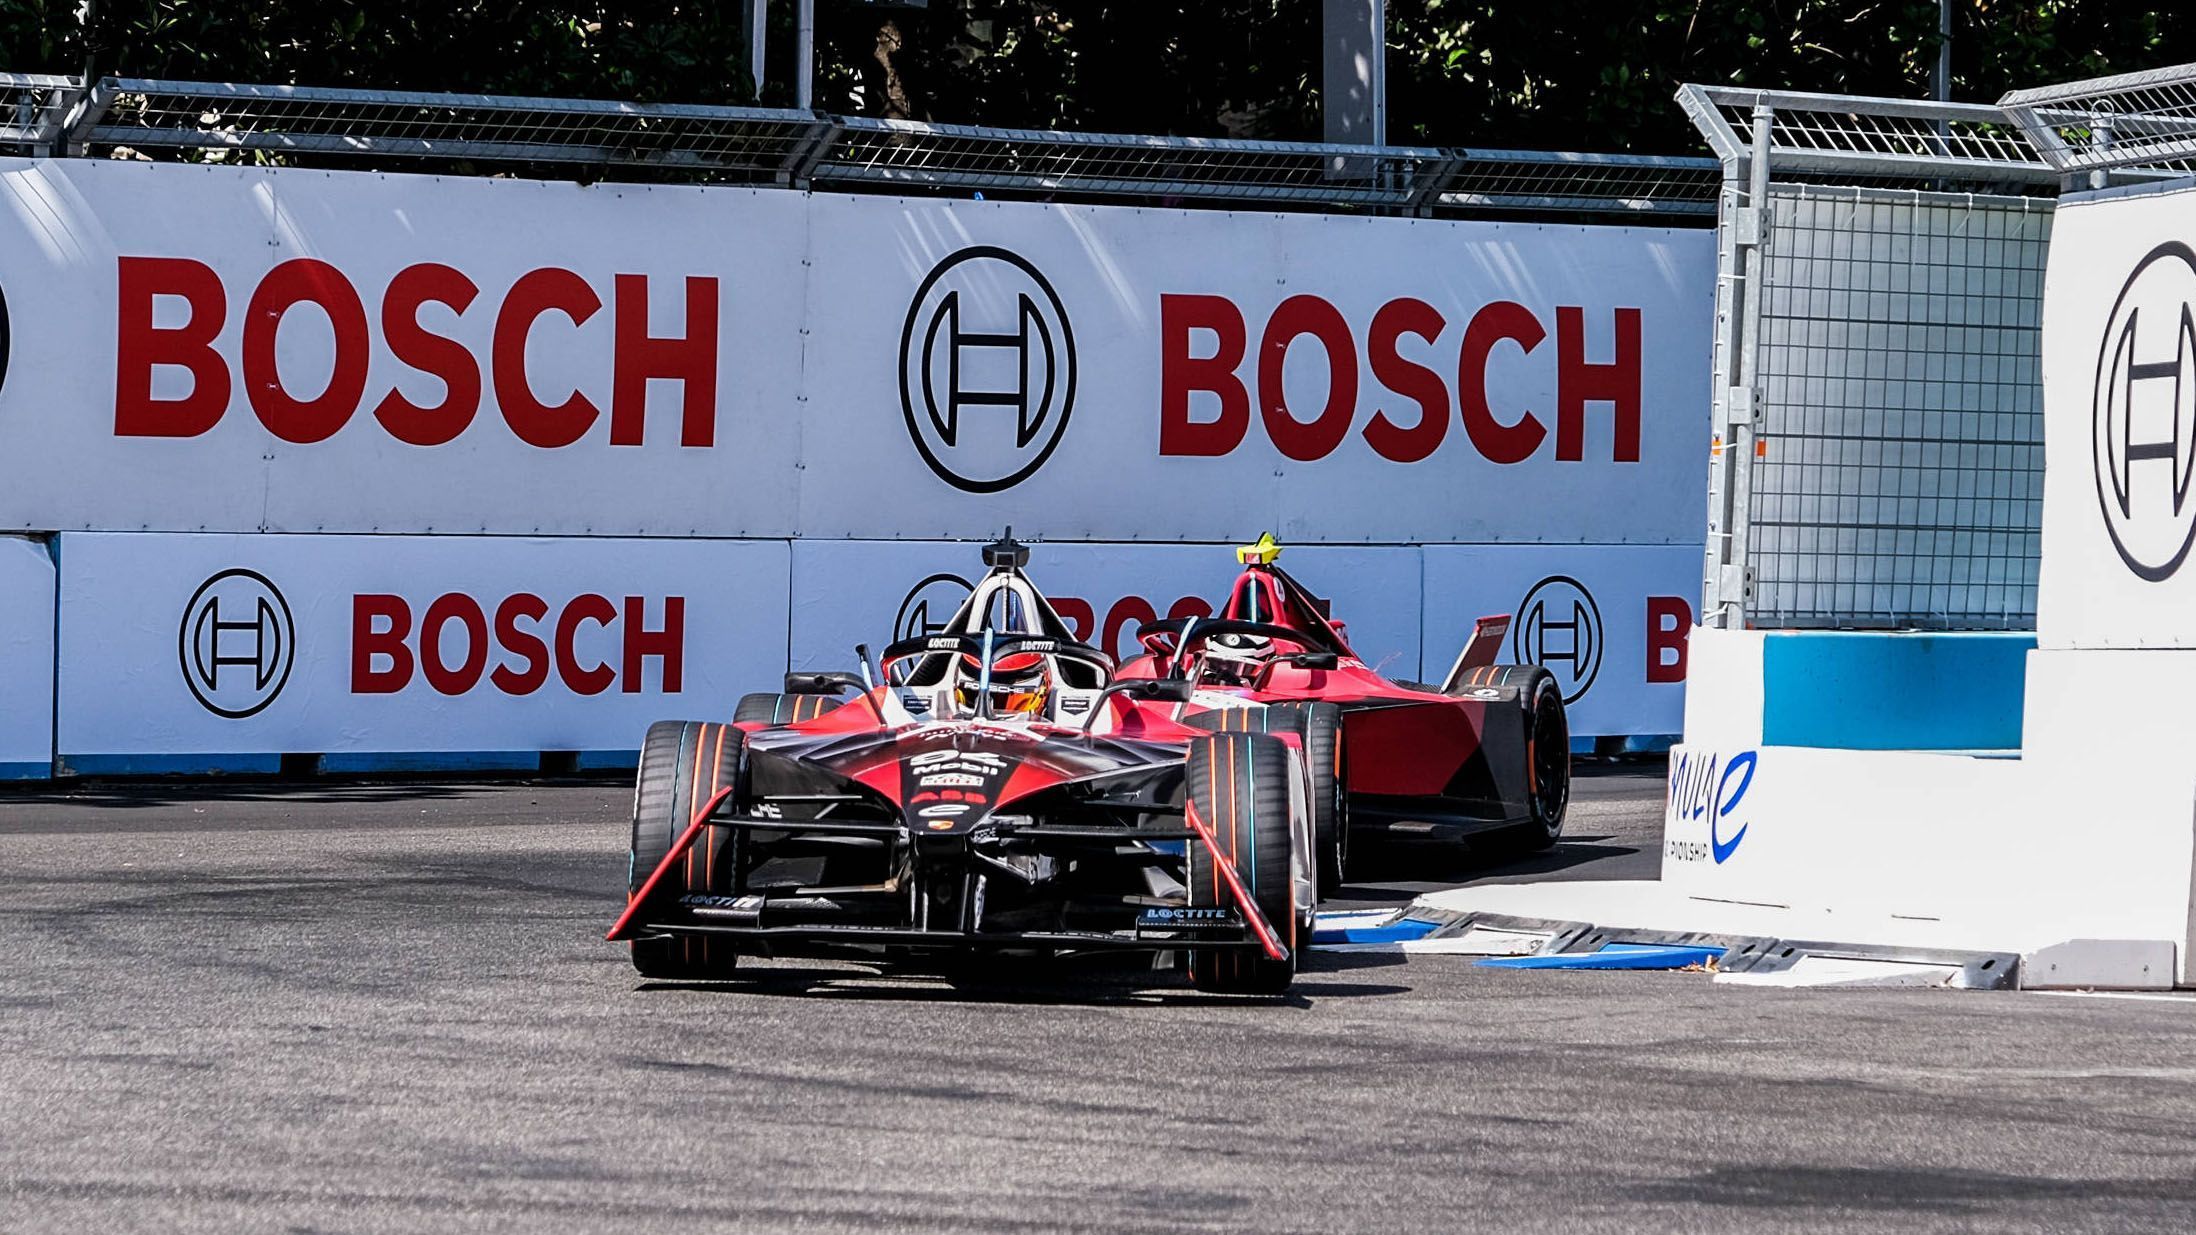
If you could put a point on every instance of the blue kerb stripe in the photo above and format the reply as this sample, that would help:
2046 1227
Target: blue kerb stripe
1614 956
171 765
1401 931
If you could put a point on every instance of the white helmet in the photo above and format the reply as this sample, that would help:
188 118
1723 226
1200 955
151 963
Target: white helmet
1237 659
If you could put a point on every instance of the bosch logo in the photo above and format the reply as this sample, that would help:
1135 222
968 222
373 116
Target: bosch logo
518 645
237 643
1559 628
2143 420
987 369
929 605
494 359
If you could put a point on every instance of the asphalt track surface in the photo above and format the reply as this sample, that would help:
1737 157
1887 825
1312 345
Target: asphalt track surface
352 1007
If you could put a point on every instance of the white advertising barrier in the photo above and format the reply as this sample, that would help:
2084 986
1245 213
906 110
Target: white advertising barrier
2119 374
1997 854
289 350
182 644
848 592
1094 373
26 659
301 350
1611 622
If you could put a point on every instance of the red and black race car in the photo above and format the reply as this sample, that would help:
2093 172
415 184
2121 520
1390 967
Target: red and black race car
990 787
1487 752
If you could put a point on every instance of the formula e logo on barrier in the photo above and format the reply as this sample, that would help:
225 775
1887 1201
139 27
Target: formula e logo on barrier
2143 420
929 605
1703 786
237 643
987 369
1559 628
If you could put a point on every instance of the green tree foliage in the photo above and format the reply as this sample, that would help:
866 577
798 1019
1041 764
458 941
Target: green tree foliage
610 49
1579 74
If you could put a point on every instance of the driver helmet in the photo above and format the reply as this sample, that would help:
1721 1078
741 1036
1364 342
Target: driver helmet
1235 659
1020 682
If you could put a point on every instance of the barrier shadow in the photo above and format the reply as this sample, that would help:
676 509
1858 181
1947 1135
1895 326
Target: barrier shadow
242 805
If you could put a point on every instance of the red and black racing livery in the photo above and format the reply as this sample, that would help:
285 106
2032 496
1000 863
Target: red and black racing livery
990 787
1486 752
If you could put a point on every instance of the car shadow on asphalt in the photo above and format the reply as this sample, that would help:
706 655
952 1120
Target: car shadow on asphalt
1053 989
1414 864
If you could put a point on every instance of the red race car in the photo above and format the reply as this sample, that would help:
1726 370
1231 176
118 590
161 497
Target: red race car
988 788
1486 753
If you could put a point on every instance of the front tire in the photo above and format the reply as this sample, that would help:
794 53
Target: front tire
683 764
1238 783
1319 725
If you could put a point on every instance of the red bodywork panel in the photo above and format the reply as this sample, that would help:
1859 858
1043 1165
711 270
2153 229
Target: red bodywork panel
1403 741
1032 759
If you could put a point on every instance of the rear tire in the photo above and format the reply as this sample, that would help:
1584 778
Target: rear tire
1547 755
1320 727
770 709
1238 783
683 764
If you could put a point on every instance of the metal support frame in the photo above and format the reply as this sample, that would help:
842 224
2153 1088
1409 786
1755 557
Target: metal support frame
2141 120
803 149
1727 579
1848 528
34 108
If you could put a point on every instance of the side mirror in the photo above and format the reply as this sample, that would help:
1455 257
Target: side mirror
821 683
1315 660
1163 690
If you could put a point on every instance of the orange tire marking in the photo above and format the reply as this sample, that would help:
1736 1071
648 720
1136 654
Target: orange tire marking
693 803
1235 847
716 782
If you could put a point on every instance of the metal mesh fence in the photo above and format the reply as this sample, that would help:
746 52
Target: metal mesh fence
1885 137
749 143
1897 478
899 153
2136 119
32 107
343 127
1879 387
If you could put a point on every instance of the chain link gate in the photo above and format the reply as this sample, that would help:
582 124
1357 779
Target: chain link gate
1879 400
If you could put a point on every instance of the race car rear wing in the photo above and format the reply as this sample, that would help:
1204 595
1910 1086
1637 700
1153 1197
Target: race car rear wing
1479 651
